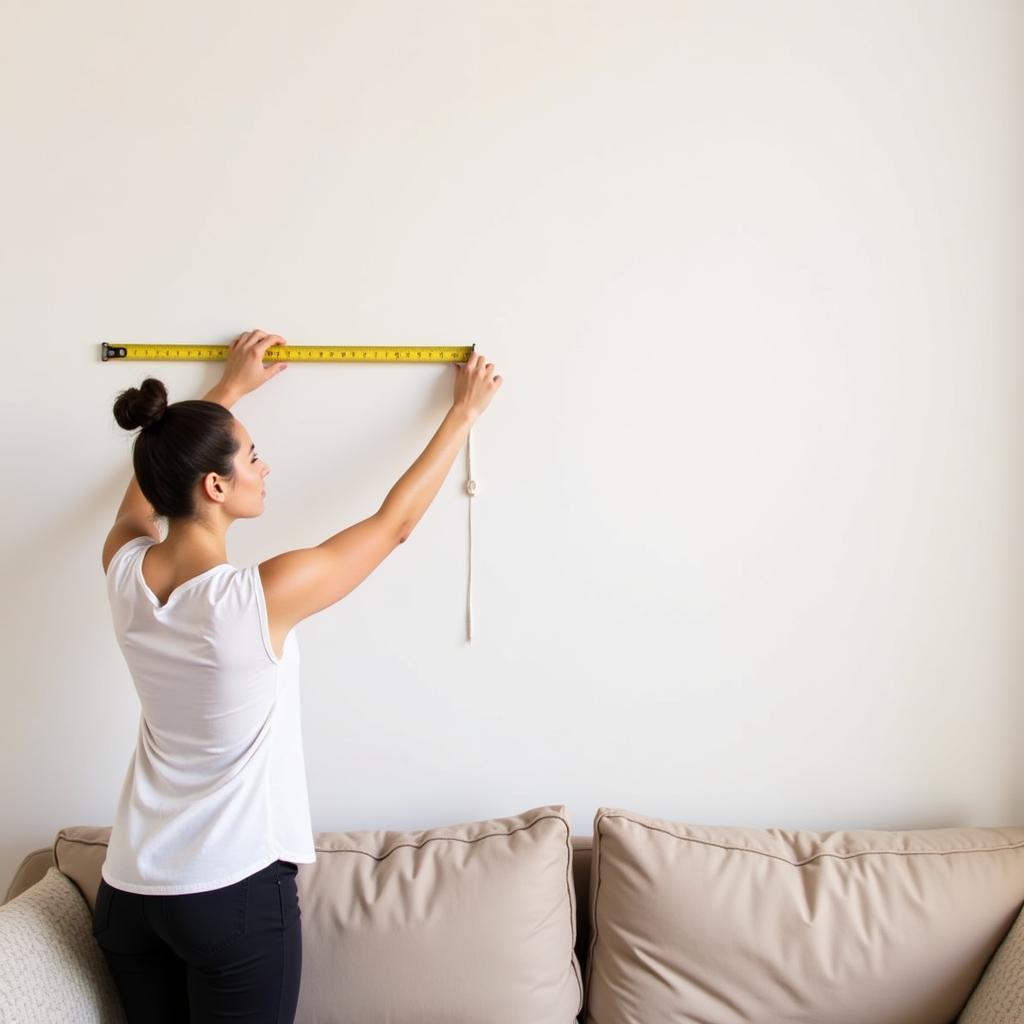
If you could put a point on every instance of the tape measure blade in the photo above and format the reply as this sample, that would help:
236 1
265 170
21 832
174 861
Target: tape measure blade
293 353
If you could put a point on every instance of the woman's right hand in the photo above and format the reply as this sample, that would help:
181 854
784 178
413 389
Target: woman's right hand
475 384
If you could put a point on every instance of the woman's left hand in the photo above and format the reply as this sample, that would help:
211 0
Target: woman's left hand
245 371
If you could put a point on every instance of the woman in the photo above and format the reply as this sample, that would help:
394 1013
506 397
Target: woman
197 912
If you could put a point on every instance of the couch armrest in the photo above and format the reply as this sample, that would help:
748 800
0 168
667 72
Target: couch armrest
51 967
998 998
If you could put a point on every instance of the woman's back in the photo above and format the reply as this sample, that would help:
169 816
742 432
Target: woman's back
216 787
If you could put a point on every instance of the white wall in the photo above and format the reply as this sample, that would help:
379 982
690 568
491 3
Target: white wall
747 544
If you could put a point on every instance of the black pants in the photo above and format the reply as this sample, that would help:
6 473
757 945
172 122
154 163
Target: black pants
233 953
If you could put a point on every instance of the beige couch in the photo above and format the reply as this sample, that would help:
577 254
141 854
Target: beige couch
515 920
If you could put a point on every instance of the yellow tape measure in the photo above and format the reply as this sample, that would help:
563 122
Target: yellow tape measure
299 353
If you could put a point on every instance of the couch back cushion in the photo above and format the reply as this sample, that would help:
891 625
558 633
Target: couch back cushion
723 925
463 923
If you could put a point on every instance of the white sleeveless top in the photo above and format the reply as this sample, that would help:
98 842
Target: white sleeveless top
216 787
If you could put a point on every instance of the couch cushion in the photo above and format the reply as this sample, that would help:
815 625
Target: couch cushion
467 924
79 852
726 925
51 968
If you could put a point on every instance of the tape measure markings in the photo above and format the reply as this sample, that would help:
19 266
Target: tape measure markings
297 353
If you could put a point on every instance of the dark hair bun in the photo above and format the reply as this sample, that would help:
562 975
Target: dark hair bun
141 406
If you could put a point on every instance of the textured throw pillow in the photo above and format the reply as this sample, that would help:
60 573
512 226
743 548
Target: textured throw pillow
465 924
51 968
722 925
999 997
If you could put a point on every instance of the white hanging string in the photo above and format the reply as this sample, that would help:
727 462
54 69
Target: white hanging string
471 491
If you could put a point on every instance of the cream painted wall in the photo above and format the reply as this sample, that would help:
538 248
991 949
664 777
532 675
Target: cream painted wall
748 542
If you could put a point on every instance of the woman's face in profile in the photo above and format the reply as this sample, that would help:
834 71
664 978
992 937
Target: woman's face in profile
250 470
